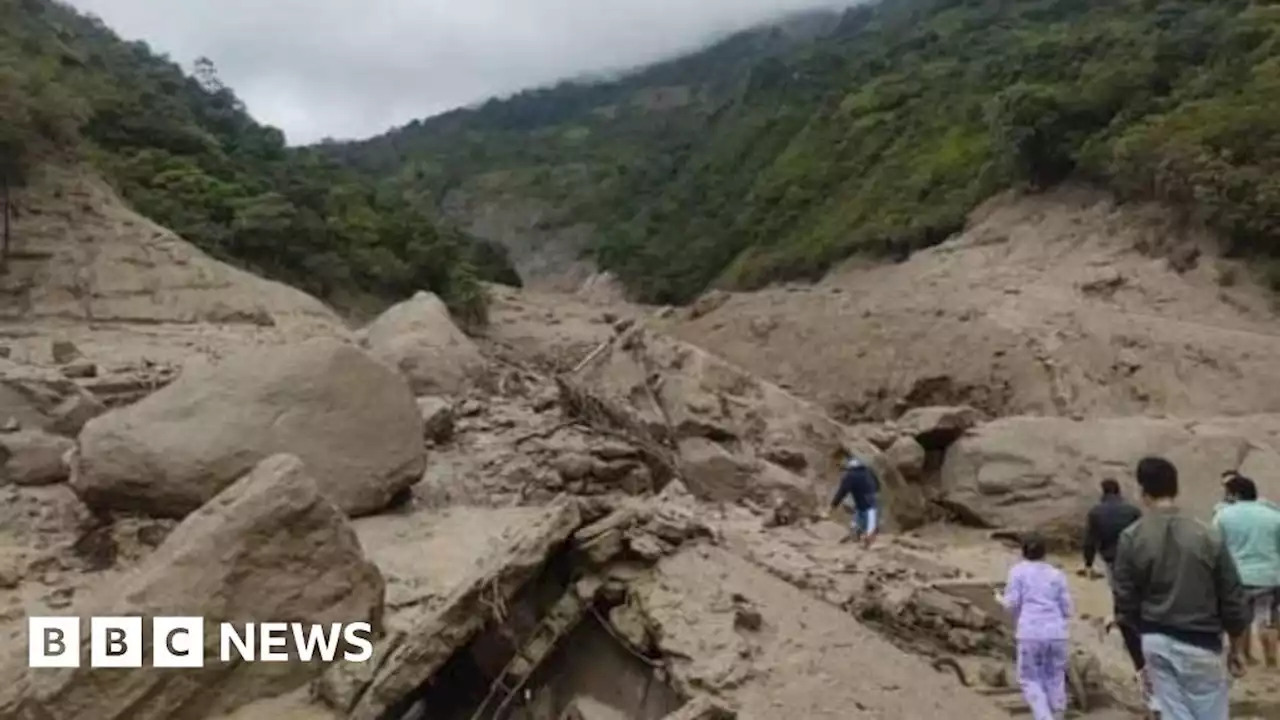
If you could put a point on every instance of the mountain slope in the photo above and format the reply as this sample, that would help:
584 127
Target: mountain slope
769 157
184 151
545 170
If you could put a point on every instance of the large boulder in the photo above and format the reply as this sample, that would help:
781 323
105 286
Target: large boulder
269 548
419 338
350 418
1040 472
33 457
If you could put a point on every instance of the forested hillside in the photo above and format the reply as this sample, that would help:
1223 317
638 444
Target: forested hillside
183 150
779 152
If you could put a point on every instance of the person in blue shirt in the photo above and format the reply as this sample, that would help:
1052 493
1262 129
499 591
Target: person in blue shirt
860 486
1227 498
1251 530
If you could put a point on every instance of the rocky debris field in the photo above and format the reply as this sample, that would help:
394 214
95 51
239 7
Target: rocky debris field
582 512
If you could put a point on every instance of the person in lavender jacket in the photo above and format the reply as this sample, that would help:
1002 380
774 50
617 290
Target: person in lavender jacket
1037 596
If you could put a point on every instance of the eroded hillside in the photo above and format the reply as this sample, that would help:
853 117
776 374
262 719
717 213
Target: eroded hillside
1060 304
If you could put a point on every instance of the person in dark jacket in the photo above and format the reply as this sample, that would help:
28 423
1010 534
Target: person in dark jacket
1176 581
1103 526
860 485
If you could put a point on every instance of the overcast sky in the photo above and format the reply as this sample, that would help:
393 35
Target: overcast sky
354 68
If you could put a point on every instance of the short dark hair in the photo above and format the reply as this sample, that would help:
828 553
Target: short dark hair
1228 474
1158 478
1110 487
1243 488
1033 547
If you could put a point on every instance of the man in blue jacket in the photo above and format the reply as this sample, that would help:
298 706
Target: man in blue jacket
859 484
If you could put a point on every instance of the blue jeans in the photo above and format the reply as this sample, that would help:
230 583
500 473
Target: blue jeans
865 521
1189 682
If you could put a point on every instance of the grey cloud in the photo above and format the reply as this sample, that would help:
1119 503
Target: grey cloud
353 68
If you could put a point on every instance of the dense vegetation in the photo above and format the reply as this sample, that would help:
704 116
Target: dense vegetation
183 151
790 150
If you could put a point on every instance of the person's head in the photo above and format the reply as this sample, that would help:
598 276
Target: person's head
1226 478
1110 488
1033 547
1158 479
1241 489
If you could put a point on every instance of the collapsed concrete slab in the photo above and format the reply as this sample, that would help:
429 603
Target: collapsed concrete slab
426 556
528 589
408 658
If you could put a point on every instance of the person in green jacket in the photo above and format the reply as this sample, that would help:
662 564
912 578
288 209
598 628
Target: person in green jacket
1251 530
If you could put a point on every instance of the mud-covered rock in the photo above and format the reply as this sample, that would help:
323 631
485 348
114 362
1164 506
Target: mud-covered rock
908 456
32 397
1043 473
708 303
270 547
350 418
63 352
33 457
628 621
419 338
712 473
437 418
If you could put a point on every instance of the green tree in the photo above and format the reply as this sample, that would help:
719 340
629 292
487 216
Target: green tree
1031 126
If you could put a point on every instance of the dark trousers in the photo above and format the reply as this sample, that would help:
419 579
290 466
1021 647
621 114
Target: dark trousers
1132 644
1132 638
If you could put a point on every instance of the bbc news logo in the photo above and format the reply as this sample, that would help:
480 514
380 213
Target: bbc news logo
178 642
